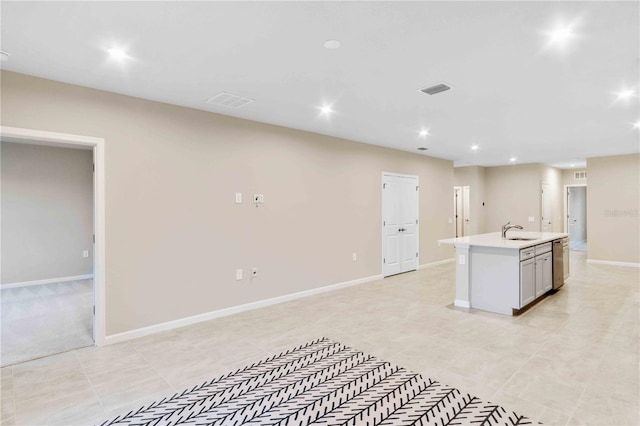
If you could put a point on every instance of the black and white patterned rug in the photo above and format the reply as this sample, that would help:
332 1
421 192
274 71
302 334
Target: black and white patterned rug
324 383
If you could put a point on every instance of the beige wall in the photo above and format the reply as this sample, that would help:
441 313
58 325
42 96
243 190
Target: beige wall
474 178
47 212
513 194
174 234
613 203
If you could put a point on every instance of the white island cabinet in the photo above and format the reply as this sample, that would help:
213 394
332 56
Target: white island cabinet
503 275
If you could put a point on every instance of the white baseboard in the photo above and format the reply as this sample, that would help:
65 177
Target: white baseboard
461 303
170 325
47 281
611 262
436 263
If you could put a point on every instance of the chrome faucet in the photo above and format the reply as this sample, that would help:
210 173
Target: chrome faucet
506 227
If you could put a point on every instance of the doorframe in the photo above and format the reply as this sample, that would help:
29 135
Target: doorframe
565 219
382 245
40 137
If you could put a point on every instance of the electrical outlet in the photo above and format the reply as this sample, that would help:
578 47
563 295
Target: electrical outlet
238 274
531 219
354 256
450 220
85 253
261 198
238 197
254 272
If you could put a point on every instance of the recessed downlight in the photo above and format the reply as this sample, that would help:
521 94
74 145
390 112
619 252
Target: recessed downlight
423 133
326 110
513 159
474 147
332 44
422 148
636 125
118 53
4 55
625 94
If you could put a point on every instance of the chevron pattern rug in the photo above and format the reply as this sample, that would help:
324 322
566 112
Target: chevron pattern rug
321 383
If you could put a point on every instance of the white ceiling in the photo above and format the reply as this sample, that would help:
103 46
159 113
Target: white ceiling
513 95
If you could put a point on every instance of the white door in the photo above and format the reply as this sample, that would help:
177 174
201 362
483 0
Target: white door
457 210
545 208
461 210
577 213
466 215
399 224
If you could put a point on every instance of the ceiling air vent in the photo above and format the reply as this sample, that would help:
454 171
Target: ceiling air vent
229 100
579 175
438 88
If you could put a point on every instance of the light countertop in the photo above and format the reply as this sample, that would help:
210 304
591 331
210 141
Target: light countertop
494 239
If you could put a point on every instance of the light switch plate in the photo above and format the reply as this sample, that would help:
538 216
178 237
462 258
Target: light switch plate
450 220
238 274
531 219
462 259
238 197
85 253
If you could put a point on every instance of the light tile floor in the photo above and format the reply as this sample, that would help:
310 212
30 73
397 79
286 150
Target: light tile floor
46 319
571 359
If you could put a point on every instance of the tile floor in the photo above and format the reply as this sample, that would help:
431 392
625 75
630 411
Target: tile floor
572 359
46 319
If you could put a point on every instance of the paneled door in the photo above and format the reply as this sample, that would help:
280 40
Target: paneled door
399 223
545 208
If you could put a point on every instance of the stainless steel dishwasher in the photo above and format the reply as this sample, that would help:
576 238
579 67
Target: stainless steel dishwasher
558 264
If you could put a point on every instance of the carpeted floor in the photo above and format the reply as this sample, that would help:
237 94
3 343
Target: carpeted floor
45 319
321 382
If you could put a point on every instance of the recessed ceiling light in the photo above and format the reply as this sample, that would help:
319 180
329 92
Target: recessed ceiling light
326 110
474 147
117 53
561 35
625 95
4 55
572 165
423 133
422 148
332 44
636 125
512 159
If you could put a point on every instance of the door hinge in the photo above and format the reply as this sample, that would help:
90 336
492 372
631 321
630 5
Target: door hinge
94 167
94 238
417 187
384 260
416 254
384 186
94 309
384 223
416 221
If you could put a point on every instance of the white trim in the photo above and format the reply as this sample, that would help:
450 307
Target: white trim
436 263
15 134
47 281
462 303
614 263
170 325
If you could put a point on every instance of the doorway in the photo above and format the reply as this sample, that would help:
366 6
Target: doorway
462 211
399 223
93 289
576 216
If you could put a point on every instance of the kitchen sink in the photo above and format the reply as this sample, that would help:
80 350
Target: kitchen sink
521 239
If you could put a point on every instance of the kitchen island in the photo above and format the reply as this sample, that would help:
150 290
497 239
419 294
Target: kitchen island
503 275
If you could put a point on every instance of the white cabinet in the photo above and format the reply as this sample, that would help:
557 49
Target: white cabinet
544 274
536 273
527 281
